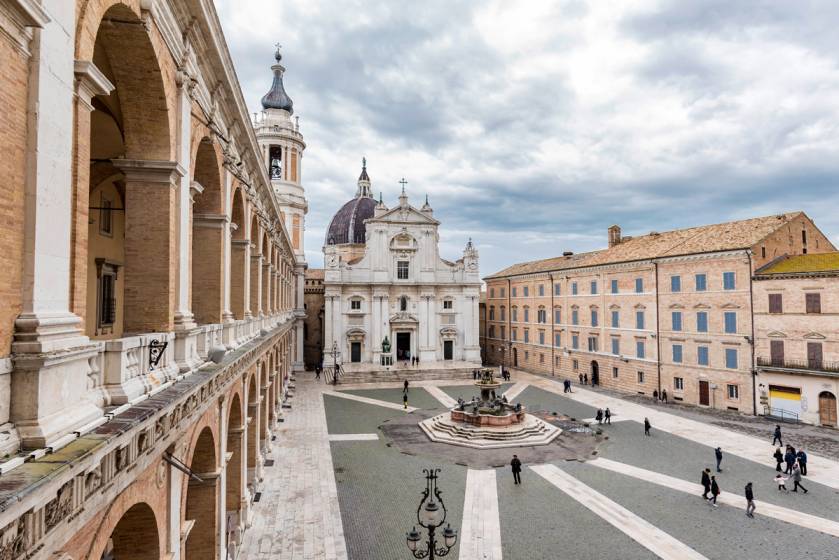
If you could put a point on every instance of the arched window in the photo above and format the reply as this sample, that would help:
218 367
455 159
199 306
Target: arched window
542 315
492 313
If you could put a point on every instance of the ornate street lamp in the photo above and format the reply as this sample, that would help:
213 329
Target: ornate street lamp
335 362
431 514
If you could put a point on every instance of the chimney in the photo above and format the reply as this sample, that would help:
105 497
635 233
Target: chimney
567 253
614 235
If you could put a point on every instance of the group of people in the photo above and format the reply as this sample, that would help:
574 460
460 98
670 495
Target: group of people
603 416
406 356
712 487
660 396
795 461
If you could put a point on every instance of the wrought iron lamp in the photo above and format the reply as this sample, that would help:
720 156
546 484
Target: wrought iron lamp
431 514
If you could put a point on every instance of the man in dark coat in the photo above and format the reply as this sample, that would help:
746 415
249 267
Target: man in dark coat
516 466
607 415
718 455
581 379
777 436
802 462
706 482
647 426
405 386
664 395
715 491
789 458
779 458
750 500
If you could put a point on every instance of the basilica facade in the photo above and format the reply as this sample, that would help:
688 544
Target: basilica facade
389 296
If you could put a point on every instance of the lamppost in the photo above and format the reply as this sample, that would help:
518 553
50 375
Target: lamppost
431 514
335 362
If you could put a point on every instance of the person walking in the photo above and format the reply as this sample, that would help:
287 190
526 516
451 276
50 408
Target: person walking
779 458
585 379
599 416
664 396
405 387
515 464
796 479
581 379
608 416
802 462
655 394
789 457
405 401
750 500
566 385
715 491
718 455
781 481
777 437
706 482
317 372
647 426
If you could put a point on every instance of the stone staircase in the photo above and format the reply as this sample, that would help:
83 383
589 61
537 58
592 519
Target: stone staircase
398 374
532 431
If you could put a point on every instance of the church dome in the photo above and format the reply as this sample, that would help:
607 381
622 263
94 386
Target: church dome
347 225
277 98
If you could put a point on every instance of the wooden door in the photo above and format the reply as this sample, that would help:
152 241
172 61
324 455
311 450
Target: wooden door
776 350
827 409
704 393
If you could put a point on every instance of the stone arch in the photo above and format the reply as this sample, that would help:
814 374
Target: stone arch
238 255
202 499
126 131
252 427
234 473
207 264
137 525
264 402
256 267
266 275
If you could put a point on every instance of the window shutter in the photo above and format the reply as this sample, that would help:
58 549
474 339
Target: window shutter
814 303
776 350
814 355
776 303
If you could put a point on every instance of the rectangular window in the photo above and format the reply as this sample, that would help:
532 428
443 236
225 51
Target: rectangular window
593 317
677 353
492 331
527 335
355 304
492 314
728 281
526 355
776 352
614 372
701 282
541 316
541 337
776 303
616 346
107 298
814 355
514 333
813 302
640 349
105 213
557 316
515 291
558 339
515 317
730 318
492 292
733 392
639 285
573 288
702 321
594 287
592 344
731 358
575 317
575 365
575 341
679 383
616 318
541 289
447 304
675 283
503 292
676 319
639 319
614 286
640 377
702 355
526 290
503 313
557 290
503 333
402 270
526 315
541 358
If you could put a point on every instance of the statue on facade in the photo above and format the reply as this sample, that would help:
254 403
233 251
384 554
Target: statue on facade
386 345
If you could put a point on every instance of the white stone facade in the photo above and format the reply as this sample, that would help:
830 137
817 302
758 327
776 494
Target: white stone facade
401 289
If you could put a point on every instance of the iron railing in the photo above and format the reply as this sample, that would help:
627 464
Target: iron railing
780 414
810 365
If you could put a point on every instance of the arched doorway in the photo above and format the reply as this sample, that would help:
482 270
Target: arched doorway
827 408
238 256
595 373
207 236
233 475
201 500
137 525
515 357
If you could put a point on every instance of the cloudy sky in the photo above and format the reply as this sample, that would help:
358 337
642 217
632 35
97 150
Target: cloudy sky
533 126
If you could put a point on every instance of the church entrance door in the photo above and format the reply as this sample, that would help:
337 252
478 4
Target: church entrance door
448 349
355 352
403 345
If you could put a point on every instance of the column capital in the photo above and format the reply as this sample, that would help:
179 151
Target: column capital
90 81
150 171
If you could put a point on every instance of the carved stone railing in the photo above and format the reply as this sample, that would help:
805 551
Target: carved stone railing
43 503
132 366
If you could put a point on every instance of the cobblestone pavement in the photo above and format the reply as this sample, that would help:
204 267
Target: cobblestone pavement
378 488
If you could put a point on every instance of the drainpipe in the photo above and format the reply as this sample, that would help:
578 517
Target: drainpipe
657 328
752 341
509 337
553 336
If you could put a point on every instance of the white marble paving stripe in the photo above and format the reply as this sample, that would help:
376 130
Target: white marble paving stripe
441 396
728 498
367 400
593 421
398 384
516 390
353 437
643 532
480 532
819 469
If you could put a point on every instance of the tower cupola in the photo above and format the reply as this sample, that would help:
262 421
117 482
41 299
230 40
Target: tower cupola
277 98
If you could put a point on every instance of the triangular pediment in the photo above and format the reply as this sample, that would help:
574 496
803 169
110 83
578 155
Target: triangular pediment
814 336
702 306
404 215
731 306
776 334
677 306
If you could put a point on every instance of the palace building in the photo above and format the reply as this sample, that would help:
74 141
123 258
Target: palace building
151 287
668 311
384 278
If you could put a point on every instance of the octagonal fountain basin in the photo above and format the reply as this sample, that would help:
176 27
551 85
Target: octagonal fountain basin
527 431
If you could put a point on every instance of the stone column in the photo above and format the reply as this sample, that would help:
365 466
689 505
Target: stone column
266 287
376 328
256 284
184 319
227 262
239 259
221 495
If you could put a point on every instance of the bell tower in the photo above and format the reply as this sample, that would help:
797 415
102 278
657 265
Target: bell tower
282 148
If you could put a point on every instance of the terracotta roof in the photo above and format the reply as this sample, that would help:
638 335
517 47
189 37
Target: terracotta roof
820 262
314 274
727 236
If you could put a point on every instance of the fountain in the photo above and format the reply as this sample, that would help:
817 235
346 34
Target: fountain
488 422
